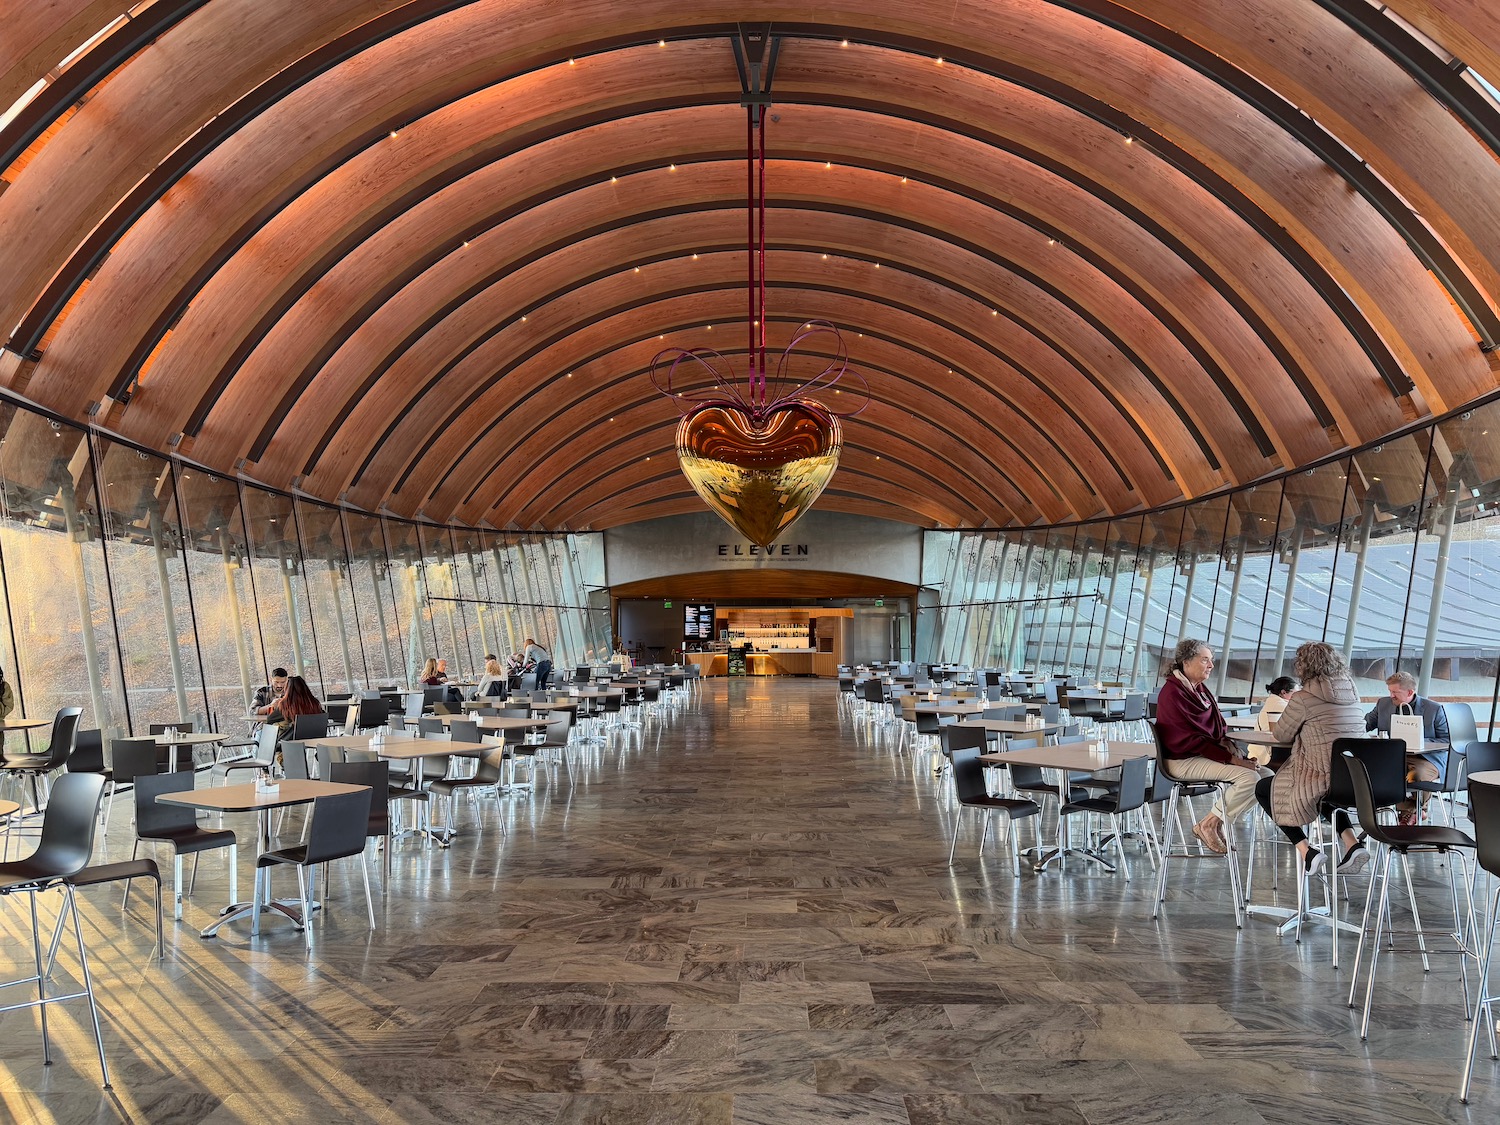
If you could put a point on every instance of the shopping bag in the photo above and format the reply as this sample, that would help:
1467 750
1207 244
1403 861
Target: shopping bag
1408 728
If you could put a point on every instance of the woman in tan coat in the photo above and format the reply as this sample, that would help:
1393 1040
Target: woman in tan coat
1326 708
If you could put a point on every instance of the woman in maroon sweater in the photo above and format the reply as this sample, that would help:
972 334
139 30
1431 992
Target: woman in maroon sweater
1191 730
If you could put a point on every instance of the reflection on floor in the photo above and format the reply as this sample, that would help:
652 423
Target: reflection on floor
745 913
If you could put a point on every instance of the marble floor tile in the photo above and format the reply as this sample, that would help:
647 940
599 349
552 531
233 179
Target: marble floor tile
905 1076
749 1075
993 1109
819 1109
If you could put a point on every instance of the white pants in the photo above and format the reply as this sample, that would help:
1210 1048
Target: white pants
1241 792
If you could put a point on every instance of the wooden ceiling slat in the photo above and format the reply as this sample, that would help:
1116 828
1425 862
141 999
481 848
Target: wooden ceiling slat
39 36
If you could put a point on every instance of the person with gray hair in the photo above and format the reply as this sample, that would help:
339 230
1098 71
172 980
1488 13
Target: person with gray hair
1404 700
1195 744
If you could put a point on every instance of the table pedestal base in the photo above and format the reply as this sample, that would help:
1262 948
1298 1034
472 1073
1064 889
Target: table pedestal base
1289 918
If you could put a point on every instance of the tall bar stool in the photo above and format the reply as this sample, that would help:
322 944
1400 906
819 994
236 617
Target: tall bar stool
1392 840
1166 852
1484 807
37 768
67 842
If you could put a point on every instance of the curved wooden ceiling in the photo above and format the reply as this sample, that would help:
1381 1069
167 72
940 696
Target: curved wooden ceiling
417 256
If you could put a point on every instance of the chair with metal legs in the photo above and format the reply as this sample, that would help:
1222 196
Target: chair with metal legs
1165 845
64 849
377 775
1484 808
177 825
36 767
88 757
339 827
489 775
1392 840
970 788
1129 795
127 871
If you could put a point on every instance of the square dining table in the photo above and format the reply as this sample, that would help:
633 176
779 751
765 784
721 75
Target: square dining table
250 797
1011 727
404 748
953 707
1073 757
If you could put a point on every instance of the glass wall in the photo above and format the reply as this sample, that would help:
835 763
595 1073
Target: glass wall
1391 553
142 589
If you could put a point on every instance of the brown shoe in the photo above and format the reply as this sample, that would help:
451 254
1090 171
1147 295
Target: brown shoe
1212 838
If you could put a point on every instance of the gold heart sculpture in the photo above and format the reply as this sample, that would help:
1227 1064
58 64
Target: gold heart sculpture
760 475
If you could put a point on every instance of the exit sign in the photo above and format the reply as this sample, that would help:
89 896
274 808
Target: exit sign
666 605
879 603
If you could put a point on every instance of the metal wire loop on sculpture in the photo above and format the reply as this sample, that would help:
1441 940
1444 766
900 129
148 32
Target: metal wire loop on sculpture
725 389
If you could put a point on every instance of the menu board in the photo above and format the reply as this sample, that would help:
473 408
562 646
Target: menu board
698 621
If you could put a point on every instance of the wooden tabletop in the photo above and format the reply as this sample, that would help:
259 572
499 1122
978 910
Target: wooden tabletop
1009 726
8 807
1488 777
1256 738
1111 695
561 705
1266 738
404 749
188 739
1074 756
23 724
498 722
965 707
247 798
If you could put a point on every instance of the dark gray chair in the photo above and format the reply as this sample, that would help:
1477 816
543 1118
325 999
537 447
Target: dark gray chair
36 768
1484 806
377 775
339 827
305 727
1404 840
1127 795
177 825
88 757
972 793
64 850
371 713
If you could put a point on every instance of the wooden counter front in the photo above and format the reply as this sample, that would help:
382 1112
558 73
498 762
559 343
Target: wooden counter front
758 663
779 663
710 663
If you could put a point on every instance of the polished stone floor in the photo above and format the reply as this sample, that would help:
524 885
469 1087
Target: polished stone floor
743 914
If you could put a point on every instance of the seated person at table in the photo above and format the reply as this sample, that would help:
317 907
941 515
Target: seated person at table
1404 700
1326 708
1195 744
298 700
429 676
268 696
442 669
493 680
1278 691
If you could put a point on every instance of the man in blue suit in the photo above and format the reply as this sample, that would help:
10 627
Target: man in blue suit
1404 700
